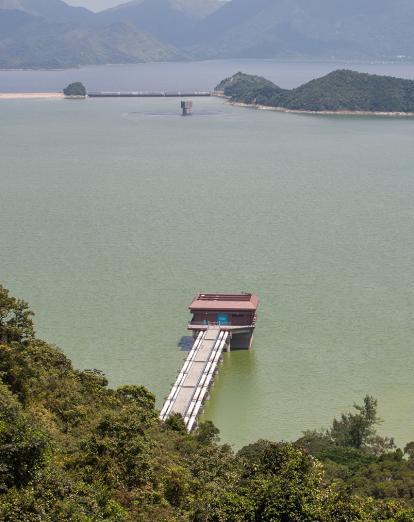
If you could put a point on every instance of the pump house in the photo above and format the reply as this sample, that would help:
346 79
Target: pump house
235 313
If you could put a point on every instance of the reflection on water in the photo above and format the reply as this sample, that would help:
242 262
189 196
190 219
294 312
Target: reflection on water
185 343
162 114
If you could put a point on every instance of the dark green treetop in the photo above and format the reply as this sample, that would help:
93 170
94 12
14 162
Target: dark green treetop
75 89
15 319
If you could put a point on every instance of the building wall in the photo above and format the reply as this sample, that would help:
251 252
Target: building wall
235 318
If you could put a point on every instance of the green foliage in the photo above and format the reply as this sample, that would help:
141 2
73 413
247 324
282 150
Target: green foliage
286 481
137 395
250 89
175 422
359 459
409 450
74 450
340 90
15 319
356 429
207 433
75 89
22 445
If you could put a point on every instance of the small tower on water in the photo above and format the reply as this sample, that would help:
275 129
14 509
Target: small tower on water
187 107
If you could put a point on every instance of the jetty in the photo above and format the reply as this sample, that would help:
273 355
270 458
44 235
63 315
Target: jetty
220 322
143 94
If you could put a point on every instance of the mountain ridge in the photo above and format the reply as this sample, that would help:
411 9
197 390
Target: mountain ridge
363 29
170 21
209 29
52 10
44 34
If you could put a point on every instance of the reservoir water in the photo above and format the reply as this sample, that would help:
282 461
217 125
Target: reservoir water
195 76
114 213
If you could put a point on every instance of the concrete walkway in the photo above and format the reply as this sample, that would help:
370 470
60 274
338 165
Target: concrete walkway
196 376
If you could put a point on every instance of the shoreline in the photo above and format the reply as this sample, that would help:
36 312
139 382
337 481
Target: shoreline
303 60
60 96
315 113
31 95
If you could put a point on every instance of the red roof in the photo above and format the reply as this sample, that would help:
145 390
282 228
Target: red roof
243 301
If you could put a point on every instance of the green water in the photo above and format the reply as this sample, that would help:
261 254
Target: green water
114 213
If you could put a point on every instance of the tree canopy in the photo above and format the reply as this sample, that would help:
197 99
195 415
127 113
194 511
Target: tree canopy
15 319
75 89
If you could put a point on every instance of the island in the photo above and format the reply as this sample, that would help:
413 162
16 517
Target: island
341 91
75 90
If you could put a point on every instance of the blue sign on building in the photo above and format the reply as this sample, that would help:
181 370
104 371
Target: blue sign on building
223 319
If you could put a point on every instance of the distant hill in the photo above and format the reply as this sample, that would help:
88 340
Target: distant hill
146 30
11 21
171 21
157 17
45 45
51 34
340 90
52 10
360 29
197 9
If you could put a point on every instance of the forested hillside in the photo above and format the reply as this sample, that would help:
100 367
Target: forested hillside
340 90
73 449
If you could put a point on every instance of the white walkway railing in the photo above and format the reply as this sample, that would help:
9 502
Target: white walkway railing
196 376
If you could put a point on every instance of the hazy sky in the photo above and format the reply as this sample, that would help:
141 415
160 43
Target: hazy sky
96 5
